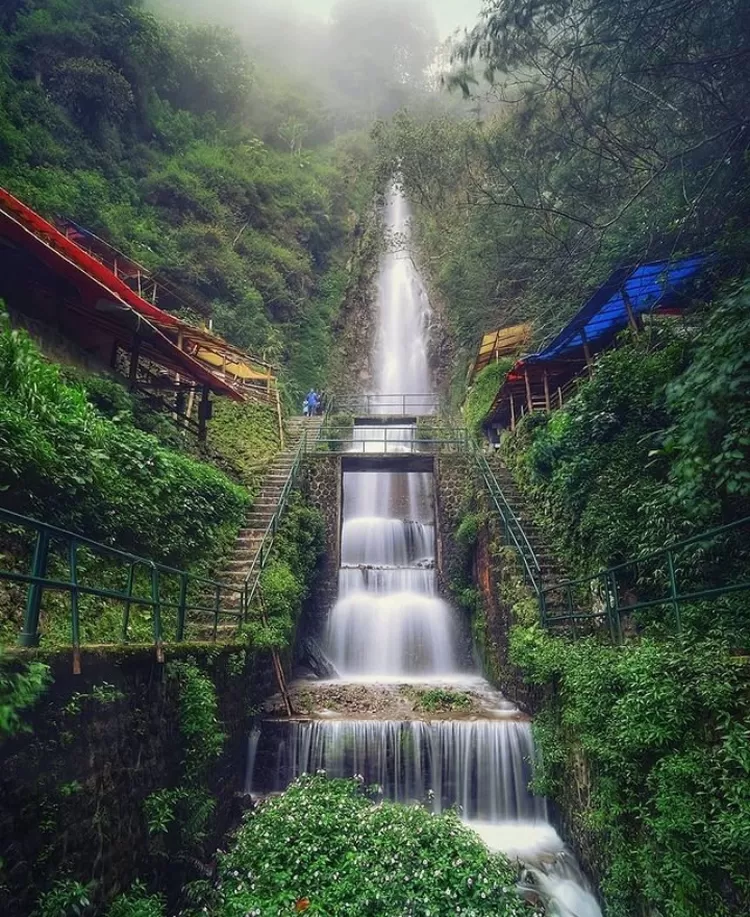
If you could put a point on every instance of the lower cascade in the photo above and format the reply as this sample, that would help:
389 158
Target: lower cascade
483 767
390 631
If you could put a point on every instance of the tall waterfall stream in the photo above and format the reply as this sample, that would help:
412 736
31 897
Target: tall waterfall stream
389 626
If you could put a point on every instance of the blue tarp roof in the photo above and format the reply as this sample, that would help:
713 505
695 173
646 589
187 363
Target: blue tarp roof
660 284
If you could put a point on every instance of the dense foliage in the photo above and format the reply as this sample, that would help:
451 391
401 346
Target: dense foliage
21 686
60 459
618 135
324 848
652 446
142 131
664 730
286 582
481 395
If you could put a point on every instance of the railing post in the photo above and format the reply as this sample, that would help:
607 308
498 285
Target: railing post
217 610
673 591
75 629
30 634
542 607
156 613
182 608
569 603
612 619
616 606
129 590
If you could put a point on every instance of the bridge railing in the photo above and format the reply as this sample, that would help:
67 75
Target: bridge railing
53 565
390 440
404 404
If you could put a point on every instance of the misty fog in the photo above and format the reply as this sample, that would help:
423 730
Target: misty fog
356 59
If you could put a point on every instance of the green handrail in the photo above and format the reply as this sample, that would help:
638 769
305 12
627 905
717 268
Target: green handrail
260 560
513 531
398 403
38 582
351 445
608 587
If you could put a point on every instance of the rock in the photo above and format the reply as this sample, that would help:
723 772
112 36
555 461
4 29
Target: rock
311 656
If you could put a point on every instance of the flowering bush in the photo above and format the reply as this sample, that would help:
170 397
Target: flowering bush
323 847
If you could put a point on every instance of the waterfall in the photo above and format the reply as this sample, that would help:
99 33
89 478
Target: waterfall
389 624
483 767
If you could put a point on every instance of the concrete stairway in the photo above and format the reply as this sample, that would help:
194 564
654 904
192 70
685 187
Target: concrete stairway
551 569
251 534
260 515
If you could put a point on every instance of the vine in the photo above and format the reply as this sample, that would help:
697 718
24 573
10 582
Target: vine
20 688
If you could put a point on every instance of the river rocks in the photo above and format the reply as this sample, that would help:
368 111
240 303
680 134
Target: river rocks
471 700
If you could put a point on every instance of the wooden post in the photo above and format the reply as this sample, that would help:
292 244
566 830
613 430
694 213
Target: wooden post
204 412
633 320
587 353
512 412
134 358
191 402
529 402
559 396
547 402
278 414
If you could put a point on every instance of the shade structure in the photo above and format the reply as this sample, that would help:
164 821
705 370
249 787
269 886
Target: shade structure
94 306
628 292
543 380
502 342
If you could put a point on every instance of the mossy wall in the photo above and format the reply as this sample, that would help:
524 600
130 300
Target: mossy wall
72 791
322 486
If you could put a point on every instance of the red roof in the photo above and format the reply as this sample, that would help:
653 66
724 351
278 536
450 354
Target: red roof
97 284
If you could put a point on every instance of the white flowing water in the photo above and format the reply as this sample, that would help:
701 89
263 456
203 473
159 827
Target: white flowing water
389 624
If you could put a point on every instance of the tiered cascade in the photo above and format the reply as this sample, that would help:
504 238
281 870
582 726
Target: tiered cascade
389 625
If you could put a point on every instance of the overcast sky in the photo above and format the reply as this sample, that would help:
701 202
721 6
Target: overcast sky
450 14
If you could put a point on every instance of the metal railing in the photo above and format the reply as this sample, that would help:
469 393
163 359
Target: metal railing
648 582
405 405
513 532
389 440
263 553
160 588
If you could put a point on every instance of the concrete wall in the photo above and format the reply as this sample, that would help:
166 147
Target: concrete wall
72 790
322 486
454 484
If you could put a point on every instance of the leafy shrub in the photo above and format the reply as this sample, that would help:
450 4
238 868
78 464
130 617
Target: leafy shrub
63 461
137 902
21 686
441 700
199 720
324 848
286 580
482 393
593 472
709 442
66 898
664 728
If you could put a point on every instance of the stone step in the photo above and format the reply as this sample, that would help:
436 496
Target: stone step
233 577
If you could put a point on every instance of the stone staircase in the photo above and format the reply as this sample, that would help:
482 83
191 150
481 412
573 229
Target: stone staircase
260 515
251 534
552 571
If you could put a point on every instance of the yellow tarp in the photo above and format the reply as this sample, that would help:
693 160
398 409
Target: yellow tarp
239 370
503 342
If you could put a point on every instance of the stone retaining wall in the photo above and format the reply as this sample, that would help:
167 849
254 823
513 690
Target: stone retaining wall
322 486
72 790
